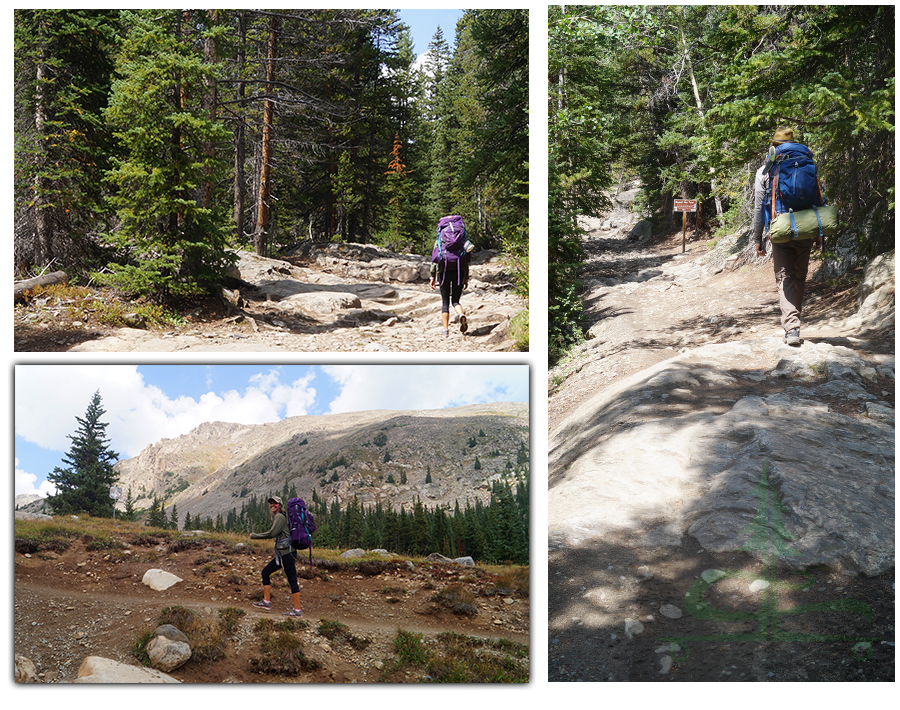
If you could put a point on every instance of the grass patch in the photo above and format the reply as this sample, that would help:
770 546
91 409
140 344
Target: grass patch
229 618
87 305
463 659
467 659
514 580
519 331
337 632
410 648
281 651
457 599
38 536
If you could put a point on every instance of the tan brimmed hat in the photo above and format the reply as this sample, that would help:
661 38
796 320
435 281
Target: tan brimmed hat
276 499
782 135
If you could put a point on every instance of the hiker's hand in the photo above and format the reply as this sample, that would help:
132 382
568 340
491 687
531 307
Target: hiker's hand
432 284
466 285
760 249
817 242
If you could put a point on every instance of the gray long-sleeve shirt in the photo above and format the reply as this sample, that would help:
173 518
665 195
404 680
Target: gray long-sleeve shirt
279 527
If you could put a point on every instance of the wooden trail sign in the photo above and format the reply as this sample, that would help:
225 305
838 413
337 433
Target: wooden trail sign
684 206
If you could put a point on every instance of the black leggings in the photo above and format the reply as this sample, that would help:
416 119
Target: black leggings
290 569
450 293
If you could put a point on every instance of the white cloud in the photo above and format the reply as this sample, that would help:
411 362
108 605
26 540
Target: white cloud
48 398
25 484
366 387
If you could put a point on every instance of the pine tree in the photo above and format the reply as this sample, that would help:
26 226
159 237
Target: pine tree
63 69
83 485
170 243
130 513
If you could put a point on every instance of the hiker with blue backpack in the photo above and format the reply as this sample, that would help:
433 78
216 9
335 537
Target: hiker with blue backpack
450 268
791 210
285 557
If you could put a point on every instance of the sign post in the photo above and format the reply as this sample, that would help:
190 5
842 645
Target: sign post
115 493
684 206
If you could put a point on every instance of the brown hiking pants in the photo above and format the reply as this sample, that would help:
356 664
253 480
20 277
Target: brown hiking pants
791 264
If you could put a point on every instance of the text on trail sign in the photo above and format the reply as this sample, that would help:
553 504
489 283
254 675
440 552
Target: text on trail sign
685 205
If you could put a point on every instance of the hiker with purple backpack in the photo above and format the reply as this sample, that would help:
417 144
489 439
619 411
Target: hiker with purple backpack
450 268
790 208
285 557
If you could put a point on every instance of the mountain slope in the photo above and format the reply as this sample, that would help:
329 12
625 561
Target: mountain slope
375 456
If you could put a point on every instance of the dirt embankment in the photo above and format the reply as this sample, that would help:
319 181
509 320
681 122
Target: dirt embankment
79 601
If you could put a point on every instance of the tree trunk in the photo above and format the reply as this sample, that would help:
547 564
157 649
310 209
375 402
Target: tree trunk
239 148
43 229
260 236
690 66
21 287
209 104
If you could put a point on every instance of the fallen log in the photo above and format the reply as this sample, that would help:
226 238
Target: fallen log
21 287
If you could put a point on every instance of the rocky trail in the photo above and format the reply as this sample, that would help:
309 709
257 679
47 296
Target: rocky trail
721 505
85 602
318 298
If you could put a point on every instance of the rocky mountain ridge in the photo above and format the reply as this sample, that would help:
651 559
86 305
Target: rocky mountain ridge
391 457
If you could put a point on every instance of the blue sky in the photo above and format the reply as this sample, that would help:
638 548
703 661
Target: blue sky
145 403
424 23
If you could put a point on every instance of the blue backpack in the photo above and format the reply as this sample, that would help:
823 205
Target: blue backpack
793 182
302 525
451 244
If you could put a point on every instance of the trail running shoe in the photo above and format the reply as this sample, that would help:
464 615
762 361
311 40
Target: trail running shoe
463 324
263 604
293 612
445 333
792 337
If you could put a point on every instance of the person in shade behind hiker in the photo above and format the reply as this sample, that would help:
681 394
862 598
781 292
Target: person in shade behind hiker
284 557
791 259
450 268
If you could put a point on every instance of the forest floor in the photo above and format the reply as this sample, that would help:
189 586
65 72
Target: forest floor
634 323
85 602
376 314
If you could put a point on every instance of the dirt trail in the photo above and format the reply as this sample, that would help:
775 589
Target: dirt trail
646 302
332 298
84 602
611 600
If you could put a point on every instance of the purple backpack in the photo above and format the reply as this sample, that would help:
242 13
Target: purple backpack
302 525
450 245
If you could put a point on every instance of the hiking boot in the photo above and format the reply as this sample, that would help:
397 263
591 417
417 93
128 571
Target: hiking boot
293 612
792 337
263 604
463 324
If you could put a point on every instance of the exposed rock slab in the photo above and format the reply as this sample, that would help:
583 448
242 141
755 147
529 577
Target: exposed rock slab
345 298
95 669
680 449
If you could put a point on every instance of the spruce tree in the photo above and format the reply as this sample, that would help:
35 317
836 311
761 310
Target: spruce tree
82 486
170 243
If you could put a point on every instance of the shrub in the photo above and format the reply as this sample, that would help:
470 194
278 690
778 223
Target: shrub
457 599
410 649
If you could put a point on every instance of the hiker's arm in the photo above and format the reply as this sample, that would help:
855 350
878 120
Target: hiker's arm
271 532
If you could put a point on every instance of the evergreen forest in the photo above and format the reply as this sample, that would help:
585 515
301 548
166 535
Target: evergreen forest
684 99
496 532
151 143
